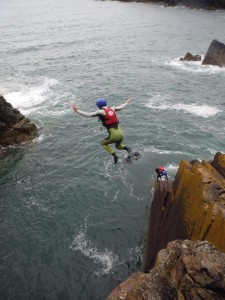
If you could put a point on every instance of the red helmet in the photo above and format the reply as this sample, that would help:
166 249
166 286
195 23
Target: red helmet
161 168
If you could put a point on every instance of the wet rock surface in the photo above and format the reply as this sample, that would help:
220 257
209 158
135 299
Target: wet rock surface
215 54
191 57
15 128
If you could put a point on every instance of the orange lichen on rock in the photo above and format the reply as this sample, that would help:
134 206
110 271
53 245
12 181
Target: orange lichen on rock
203 190
194 207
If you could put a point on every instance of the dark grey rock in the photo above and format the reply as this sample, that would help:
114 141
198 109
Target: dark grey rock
190 57
15 128
215 54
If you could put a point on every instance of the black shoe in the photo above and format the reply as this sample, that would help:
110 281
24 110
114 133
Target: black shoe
128 149
115 157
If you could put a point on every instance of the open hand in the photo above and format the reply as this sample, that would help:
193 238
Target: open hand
74 107
128 101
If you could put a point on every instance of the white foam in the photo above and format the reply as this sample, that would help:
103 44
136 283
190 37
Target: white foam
28 99
42 137
172 167
135 252
160 103
33 202
161 151
194 66
106 258
204 111
213 151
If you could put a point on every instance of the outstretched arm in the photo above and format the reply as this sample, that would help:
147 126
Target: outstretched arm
87 114
122 105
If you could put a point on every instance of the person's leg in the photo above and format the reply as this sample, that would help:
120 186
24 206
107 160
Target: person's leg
105 144
110 140
115 136
119 141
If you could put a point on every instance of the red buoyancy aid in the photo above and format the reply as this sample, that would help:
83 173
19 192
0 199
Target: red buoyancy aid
110 117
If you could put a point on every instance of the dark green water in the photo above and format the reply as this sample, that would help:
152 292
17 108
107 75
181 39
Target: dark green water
73 224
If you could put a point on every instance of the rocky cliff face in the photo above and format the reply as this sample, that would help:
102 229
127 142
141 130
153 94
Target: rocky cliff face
184 270
14 127
189 214
199 4
192 207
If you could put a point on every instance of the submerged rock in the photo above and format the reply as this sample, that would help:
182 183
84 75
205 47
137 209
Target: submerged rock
215 54
15 128
184 270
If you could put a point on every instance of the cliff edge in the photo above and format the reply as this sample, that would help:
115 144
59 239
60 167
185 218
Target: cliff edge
15 128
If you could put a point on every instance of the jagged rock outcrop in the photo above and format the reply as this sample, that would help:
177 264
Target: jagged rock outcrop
184 270
199 4
190 57
15 128
192 207
215 54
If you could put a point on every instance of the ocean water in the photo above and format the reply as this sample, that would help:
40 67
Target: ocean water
72 224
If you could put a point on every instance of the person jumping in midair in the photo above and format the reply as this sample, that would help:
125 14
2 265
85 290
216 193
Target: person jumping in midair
107 115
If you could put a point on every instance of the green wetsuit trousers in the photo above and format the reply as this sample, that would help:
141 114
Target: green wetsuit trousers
115 137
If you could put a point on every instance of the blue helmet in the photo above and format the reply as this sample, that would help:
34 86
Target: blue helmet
101 102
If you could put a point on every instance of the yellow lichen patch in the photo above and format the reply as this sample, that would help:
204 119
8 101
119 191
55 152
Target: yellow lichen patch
221 160
207 221
216 232
193 203
199 190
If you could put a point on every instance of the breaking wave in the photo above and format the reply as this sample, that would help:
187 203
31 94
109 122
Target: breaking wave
204 111
41 99
194 66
